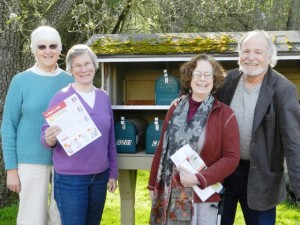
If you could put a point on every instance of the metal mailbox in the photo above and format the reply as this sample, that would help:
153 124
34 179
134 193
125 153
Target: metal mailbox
153 133
130 135
167 88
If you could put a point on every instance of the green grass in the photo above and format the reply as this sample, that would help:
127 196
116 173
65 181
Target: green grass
8 215
287 214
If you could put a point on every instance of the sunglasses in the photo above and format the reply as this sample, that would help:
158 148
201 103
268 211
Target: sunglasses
43 47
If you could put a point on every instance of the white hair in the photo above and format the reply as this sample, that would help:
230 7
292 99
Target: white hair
44 33
272 46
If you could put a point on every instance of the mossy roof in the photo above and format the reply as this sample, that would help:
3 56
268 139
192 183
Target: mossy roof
222 43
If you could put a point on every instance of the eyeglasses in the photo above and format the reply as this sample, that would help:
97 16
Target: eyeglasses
87 65
43 47
198 75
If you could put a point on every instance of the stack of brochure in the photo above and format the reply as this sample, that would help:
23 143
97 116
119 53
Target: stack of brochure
190 160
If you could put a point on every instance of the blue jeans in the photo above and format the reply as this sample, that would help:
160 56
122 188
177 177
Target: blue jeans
236 191
80 198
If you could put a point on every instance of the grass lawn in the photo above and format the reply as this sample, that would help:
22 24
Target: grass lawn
287 214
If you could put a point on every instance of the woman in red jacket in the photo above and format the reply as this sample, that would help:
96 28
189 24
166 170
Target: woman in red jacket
211 129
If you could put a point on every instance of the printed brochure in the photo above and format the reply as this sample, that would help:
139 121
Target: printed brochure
187 158
78 129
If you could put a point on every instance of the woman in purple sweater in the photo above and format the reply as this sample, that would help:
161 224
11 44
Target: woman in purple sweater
81 180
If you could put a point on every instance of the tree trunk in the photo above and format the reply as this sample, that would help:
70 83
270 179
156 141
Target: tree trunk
56 16
15 57
293 16
122 17
10 59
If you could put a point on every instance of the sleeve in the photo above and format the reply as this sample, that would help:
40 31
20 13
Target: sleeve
11 117
112 150
52 103
289 125
230 154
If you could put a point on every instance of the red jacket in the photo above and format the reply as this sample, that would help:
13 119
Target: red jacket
221 150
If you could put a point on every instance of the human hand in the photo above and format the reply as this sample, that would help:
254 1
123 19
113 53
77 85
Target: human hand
176 101
151 193
187 178
51 135
112 185
13 181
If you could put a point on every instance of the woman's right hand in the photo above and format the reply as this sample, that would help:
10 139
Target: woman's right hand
151 193
50 135
13 181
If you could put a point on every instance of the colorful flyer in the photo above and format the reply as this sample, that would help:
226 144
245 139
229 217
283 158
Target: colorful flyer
78 129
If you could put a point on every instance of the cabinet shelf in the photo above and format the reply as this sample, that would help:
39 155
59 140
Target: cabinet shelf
140 107
139 160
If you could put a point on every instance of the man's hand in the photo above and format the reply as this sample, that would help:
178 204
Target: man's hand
176 101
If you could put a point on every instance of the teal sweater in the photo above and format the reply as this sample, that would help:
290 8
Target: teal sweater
27 98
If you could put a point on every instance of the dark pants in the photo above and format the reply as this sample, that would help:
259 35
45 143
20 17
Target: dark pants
236 191
80 198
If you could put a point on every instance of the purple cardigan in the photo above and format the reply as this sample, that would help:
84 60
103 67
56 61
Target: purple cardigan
97 156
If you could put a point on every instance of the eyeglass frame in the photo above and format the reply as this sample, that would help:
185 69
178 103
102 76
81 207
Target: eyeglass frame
87 65
205 75
51 47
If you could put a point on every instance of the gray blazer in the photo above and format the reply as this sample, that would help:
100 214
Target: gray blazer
275 135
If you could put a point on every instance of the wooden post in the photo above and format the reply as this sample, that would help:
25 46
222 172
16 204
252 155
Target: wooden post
127 184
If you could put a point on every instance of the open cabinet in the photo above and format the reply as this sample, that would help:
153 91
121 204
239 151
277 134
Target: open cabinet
131 86
129 79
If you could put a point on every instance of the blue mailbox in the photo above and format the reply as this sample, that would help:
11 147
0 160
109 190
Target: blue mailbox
167 88
153 133
130 135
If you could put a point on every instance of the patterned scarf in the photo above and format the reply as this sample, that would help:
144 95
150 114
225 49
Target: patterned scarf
178 133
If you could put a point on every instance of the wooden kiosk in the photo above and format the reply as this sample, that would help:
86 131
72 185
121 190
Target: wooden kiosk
130 64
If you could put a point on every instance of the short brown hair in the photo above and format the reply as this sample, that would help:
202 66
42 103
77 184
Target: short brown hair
187 69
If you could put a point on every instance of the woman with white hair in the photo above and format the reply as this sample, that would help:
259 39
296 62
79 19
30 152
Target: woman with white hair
27 162
82 179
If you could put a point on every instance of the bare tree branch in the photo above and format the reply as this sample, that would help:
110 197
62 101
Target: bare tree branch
122 16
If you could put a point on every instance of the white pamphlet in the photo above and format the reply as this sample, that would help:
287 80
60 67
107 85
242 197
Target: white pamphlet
77 127
187 158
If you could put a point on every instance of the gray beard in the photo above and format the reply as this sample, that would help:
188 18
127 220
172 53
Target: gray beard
254 73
